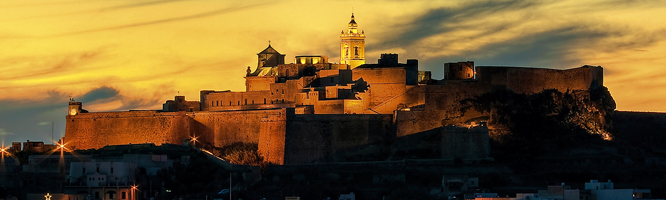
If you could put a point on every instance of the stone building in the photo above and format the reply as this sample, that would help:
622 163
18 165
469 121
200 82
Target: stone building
312 110
459 70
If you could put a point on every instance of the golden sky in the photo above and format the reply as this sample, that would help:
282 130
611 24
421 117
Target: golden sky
136 54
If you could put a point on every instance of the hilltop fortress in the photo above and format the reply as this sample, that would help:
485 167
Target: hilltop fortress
313 110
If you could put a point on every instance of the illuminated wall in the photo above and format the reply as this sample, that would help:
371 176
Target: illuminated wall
96 130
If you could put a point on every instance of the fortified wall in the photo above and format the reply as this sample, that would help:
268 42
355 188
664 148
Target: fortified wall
290 138
96 130
443 102
313 110
533 80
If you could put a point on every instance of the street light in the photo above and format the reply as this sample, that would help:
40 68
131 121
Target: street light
194 140
133 192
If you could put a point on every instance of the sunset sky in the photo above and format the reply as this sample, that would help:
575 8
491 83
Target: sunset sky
136 54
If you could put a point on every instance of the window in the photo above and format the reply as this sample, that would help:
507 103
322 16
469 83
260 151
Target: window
96 195
97 169
245 101
252 102
217 103
110 195
264 100
112 170
229 103
123 195
212 103
356 51
239 103
84 170
282 91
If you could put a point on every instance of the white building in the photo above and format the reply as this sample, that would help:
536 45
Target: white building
113 178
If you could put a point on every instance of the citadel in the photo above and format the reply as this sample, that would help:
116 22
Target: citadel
313 110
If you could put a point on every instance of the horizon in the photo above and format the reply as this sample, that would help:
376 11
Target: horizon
129 55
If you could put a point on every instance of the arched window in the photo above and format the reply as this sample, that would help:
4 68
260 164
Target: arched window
356 51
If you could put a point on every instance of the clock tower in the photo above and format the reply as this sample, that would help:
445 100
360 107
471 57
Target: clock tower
74 108
352 45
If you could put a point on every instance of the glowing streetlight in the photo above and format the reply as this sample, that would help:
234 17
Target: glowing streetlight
133 190
48 196
194 140
3 151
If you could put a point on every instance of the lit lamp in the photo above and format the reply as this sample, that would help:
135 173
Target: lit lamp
3 151
194 140
48 196
133 191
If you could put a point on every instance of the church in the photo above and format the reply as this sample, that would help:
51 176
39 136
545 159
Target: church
313 85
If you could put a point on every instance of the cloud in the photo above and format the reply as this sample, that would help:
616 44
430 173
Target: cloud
38 66
140 4
44 123
4 132
105 9
100 93
161 21
444 20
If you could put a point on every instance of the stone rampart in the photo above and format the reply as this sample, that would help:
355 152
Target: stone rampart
534 80
380 75
225 127
309 138
442 107
96 130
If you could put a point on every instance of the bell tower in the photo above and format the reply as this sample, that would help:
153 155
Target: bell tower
352 45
